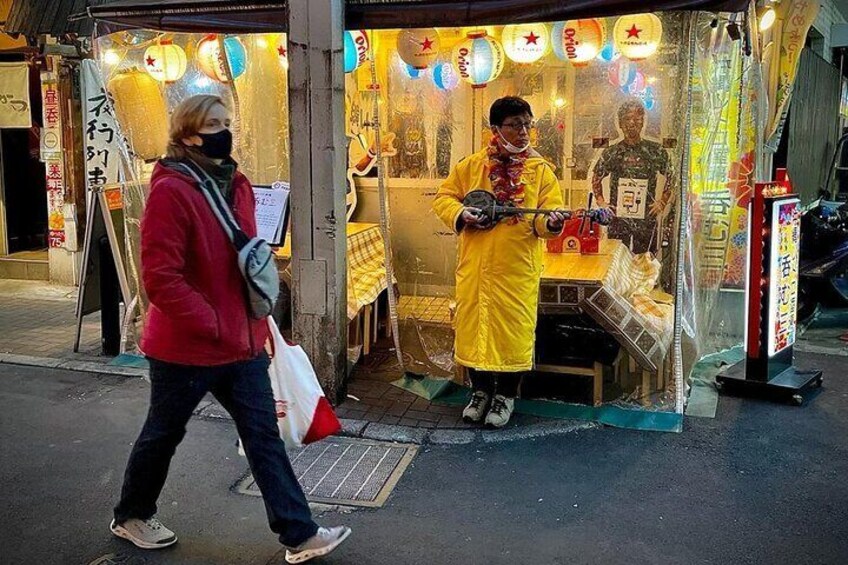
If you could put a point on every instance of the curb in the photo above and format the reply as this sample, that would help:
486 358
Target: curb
71 365
350 428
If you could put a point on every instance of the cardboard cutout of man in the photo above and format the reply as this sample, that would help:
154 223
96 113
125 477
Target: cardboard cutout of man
633 165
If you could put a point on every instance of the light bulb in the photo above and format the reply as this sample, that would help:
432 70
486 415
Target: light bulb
767 19
559 102
111 57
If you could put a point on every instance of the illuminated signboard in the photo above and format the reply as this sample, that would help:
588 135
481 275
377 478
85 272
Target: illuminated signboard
783 274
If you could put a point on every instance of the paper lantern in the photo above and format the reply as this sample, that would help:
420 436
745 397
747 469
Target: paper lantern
282 49
356 47
479 59
609 53
409 71
581 40
418 48
211 60
622 73
638 36
165 62
525 43
141 112
638 84
445 77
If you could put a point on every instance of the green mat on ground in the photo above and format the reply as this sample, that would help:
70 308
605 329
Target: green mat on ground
130 360
703 396
444 391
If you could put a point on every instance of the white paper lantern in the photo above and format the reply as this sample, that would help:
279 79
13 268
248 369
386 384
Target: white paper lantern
582 40
418 48
165 62
638 36
525 43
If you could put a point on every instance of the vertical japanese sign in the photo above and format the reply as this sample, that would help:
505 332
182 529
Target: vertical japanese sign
14 96
782 65
51 155
100 130
783 274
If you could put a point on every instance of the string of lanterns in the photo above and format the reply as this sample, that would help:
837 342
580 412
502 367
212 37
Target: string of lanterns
477 60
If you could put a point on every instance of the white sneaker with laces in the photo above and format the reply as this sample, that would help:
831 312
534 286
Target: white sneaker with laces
500 412
322 543
146 534
476 409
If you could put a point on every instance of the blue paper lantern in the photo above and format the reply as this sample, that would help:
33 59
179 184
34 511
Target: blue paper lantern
479 59
556 41
609 54
236 55
356 47
445 77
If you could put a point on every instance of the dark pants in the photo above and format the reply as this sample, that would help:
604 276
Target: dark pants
493 383
244 389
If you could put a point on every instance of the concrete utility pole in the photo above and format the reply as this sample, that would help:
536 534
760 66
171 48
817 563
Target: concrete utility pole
318 161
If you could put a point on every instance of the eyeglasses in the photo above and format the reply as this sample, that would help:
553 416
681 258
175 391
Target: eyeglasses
518 126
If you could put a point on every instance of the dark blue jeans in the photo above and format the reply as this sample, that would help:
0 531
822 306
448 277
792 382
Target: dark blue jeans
244 389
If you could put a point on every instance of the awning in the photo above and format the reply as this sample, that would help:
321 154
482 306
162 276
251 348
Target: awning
385 14
37 17
258 16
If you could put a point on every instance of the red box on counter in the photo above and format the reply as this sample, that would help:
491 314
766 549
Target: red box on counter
571 241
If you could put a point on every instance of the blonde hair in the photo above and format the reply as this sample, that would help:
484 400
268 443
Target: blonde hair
187 120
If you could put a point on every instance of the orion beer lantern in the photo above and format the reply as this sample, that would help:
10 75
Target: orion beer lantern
771 298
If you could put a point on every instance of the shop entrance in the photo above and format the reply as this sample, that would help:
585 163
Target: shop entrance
23 245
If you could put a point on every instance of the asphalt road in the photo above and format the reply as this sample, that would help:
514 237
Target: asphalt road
761 483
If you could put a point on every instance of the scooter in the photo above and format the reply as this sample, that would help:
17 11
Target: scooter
823 268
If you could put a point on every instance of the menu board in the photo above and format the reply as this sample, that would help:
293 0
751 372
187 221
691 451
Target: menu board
272 204
783 274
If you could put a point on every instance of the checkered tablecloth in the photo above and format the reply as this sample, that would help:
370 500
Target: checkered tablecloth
366 265
366 269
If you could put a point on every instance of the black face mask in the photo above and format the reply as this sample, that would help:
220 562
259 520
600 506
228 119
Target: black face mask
217 145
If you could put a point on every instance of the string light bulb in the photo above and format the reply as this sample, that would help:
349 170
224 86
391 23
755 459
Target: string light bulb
767 19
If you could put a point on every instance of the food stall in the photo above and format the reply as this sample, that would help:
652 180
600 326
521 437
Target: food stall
655 113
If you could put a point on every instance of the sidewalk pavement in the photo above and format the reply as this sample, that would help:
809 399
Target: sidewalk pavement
38 319
37 327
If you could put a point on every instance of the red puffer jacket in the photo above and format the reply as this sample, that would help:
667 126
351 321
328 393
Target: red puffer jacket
198 312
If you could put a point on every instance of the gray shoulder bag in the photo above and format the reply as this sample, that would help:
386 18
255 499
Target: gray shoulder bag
255 257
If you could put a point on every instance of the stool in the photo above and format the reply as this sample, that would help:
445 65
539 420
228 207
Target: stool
596 371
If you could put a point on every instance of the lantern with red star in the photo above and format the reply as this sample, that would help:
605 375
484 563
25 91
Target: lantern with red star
165 62
525 43
638 36
282 49
418 48
581 40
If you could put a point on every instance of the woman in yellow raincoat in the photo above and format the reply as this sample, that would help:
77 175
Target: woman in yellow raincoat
499 267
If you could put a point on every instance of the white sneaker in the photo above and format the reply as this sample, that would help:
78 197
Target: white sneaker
146 534
476 409
322 543
500 412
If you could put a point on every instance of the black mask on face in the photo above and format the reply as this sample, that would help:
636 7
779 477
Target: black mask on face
217 145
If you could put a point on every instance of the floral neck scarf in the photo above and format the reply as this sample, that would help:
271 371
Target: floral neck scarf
505 176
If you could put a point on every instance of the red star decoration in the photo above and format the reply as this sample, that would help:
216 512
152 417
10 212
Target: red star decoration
427 44
281 50
150 61
532 38
633 32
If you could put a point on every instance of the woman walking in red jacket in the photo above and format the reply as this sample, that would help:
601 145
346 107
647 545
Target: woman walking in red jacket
200 337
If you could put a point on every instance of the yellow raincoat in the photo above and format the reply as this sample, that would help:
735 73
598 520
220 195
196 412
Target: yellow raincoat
498 270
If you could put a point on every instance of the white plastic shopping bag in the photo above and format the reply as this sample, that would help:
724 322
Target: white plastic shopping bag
303 413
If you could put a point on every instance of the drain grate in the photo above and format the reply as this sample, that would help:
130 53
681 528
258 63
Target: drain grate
352 472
